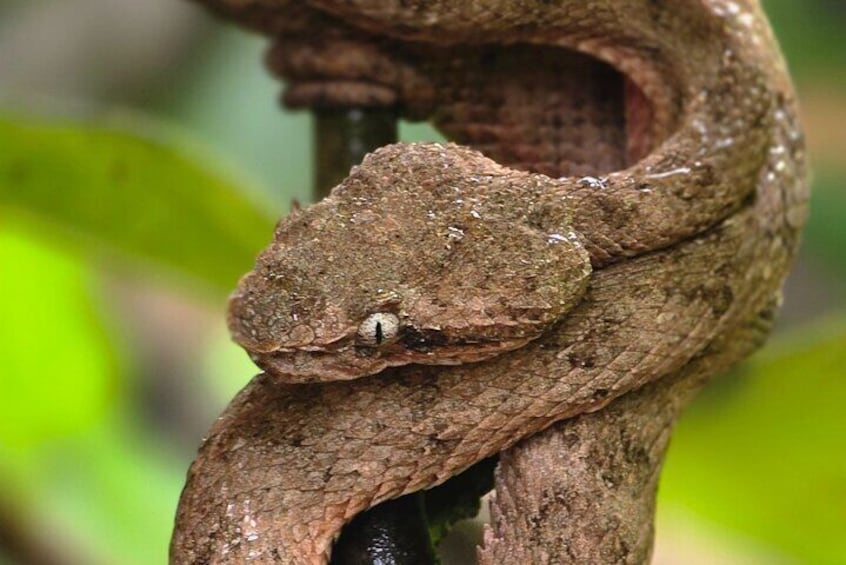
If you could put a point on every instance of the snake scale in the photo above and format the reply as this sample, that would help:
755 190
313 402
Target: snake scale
622 209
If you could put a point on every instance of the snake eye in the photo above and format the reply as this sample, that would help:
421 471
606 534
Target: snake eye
378 329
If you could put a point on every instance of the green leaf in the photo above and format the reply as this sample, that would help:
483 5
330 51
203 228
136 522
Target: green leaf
58 372
763 452
141 194
73 457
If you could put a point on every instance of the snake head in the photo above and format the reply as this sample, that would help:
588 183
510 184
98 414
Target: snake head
420 256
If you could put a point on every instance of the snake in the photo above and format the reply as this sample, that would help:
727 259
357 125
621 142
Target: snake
624 191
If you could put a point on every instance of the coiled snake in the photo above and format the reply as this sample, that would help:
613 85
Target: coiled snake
629 228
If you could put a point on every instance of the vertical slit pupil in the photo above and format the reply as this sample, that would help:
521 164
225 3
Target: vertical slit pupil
379 335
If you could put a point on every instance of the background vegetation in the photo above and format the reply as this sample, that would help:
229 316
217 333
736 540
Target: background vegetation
124 223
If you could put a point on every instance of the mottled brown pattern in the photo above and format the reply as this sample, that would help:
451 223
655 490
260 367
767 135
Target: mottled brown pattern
583 491
555 296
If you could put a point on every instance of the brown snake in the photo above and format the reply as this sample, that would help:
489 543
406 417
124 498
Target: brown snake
440 305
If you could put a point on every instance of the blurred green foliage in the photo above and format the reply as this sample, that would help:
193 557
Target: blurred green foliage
69 458
826 234
811 35
133 193
228 100
69 447
73 352
761 454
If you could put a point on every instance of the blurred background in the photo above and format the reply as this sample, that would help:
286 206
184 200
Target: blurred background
143 160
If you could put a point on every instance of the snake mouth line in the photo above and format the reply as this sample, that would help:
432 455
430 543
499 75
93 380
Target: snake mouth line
353 362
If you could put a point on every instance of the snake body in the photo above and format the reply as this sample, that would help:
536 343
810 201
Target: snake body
625 278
